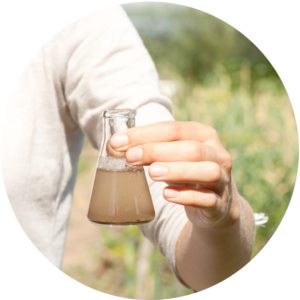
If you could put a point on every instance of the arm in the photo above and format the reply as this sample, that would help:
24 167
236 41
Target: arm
218 238
108 66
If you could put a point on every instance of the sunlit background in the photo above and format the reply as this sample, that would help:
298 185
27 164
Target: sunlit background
214 75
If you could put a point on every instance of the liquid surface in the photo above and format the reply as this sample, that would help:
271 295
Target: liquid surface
120 198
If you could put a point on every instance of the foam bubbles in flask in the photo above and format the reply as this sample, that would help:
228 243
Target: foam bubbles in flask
110 163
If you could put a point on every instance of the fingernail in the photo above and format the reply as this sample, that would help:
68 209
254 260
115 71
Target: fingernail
158 170
119 141
171 194
134 154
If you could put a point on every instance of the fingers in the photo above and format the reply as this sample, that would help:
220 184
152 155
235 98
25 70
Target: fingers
204 199
164 132
187 172
188 151
112 152
208 174
171 152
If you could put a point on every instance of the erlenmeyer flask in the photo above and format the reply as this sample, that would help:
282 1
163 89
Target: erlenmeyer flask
120 195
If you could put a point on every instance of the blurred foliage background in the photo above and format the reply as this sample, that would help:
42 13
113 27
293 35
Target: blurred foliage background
214 75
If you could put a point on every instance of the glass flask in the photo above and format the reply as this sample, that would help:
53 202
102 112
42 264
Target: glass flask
120 194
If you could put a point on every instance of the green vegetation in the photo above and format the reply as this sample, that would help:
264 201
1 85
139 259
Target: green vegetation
222 79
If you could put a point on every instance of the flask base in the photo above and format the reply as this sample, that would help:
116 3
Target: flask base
119 224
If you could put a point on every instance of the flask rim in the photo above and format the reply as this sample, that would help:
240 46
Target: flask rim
126 113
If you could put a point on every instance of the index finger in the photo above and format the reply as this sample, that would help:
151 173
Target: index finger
163 132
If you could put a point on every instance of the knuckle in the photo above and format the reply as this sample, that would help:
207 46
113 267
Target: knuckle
181 172
227 160
137 136
215 172
173 130
195 151
194 124
212 132
154 151
212 200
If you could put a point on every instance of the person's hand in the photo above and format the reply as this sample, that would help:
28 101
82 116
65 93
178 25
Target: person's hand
191 154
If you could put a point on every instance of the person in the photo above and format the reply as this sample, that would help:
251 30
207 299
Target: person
204 228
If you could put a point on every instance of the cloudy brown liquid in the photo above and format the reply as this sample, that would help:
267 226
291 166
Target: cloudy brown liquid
120 198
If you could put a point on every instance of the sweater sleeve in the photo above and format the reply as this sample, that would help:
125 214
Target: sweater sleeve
108 67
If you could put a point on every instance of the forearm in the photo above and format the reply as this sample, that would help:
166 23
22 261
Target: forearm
206 256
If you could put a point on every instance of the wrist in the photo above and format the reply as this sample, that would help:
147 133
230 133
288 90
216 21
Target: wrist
223 221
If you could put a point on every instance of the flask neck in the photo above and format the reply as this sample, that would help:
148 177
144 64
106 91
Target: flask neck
114 121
